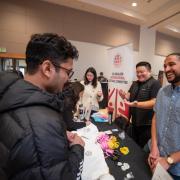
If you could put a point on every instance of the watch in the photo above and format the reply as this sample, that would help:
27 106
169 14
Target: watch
170 160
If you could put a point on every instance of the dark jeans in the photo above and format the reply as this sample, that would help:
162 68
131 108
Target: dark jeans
141 134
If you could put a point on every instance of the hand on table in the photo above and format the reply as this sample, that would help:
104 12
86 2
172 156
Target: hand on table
73 139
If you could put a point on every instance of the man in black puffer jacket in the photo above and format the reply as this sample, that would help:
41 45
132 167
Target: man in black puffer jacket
34 144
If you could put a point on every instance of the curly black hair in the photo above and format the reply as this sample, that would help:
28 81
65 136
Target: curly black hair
48 46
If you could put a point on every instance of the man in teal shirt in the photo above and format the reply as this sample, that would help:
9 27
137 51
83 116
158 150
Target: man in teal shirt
165 146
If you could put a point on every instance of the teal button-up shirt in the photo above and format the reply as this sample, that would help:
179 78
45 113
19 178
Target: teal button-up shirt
167 110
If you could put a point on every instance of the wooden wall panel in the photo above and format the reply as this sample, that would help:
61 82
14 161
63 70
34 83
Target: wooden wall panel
166 44
20 19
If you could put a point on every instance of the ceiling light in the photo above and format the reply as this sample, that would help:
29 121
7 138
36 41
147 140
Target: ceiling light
172 28
134 4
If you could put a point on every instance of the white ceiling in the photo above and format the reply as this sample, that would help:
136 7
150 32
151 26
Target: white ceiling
162 15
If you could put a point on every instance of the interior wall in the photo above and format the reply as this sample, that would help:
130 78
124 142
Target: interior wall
20 19
147 50
166 44
87 59
90 55
92 34
147 44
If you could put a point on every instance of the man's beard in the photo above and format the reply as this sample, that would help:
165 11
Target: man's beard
175 80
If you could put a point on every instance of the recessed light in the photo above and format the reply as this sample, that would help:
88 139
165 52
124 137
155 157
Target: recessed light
172 28
134 4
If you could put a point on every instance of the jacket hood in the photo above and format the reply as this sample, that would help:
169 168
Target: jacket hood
16 93
6 80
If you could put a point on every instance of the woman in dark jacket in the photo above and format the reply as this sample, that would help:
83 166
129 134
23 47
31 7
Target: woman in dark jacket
73 92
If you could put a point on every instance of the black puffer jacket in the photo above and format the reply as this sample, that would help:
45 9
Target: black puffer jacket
33 141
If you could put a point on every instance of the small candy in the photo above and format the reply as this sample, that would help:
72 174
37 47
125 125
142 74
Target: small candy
130 175
122 135
119 164
124 150
125 166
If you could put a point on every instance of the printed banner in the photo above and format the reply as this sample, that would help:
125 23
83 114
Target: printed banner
120 75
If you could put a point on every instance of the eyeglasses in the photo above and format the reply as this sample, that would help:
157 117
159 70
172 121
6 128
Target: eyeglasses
69 72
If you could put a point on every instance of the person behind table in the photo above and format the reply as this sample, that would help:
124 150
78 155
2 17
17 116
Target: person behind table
93 92
72 94
165 145
101 77
33 137
141 99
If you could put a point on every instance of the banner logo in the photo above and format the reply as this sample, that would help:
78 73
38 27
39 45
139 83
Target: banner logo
120 77
117 60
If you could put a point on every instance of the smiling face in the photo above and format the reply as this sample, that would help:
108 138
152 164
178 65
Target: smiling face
172 69
143 73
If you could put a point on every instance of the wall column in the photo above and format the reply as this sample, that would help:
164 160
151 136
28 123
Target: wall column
147 44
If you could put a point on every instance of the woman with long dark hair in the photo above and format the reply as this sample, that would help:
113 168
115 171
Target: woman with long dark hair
93 92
